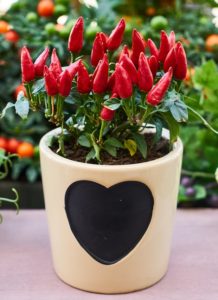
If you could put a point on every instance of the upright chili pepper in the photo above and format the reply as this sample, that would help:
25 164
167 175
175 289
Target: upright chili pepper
153 64
128 65
40 62
73 68
107 114
97 50
111 81
104 39
83 80
164 46
123 83
172 39
27 67
116 36
156 95
138 46
65 83
181 67
101 78
170 60
55 66
145 77
124 51
153 48
75 41
51 84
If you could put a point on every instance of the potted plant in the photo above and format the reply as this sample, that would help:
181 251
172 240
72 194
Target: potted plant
111 169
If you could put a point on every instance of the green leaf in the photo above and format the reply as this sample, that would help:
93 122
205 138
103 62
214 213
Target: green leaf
206 76
2 156
113 103
113 142
39 86
159 128
201 192
90 155
22 106
111 150
32 174
176 106
172 125
84 141
9 105
141 144
131 146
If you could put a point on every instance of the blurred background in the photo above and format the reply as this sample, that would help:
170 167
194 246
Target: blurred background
48 23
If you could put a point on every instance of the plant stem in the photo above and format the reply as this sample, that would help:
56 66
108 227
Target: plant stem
103 124
198 174
72 57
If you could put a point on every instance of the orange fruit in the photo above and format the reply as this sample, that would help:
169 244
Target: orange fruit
13 145
4 26
211 43
18 89
25 149
12 36
45 8
150 11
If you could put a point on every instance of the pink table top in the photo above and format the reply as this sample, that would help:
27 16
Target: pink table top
26 271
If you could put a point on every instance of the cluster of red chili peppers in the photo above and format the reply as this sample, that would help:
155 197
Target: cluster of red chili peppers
133 69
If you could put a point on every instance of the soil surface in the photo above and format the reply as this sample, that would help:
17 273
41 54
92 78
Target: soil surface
154 151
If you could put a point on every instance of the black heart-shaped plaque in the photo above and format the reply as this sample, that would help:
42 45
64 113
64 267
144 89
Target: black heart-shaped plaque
108 222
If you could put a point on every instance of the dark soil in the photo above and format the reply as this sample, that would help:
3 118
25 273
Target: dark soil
154 151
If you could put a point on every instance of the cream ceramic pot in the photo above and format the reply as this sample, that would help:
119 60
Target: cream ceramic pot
146 262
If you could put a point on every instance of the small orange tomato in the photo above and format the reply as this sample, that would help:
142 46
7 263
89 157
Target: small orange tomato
150 11
12 36
19 88
45 8
211 43
4 26
3 143
25 149
13 145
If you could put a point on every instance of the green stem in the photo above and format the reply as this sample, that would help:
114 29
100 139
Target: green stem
103 125
72 57
145 115
198 174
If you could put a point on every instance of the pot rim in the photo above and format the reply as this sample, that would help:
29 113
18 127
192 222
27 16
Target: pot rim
43 146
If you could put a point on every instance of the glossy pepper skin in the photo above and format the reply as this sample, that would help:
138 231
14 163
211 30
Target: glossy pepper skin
128 65
40 63
138 46
164 46
181 67
123 83
145 76
55 66
83 80
153 48
75 41
104 39
65 83
156 95
170 60
27 66
51 84
73 68
172 39
97 50
107 114
111 82
153 64
124 51
100 81
116 36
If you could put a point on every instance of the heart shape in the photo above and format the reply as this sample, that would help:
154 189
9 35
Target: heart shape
108 222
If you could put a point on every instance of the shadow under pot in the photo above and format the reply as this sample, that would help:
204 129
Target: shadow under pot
110 226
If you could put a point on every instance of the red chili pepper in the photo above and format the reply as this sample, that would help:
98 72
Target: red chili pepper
172 39
104 39
101 78
138 46
65 83
164 46
40 62
170 60
181 67
156 95
128 65
153 64
73 68
111 81
123 83
27 67
145 77
124 51
83 80
55 66
153 48
97 50
51 84
107 114
116 36
75 41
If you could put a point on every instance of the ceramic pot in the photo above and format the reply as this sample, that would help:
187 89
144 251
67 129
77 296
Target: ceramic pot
110 226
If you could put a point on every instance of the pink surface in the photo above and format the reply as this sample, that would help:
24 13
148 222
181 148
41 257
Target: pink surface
26 271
